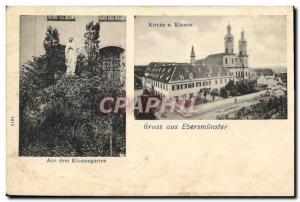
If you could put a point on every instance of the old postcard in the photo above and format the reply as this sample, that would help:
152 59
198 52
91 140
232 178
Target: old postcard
150 101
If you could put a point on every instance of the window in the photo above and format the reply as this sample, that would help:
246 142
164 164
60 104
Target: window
191 85
246 73
175 87
225 80
110 62
221 81
232 61
226 61
198 84
216 82
183 86
209 82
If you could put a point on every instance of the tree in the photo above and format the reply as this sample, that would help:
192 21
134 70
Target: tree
242 87
62 119
145 115
55 56
89 60
31 82
223 92
214 93
51 40
251 86
39 74
230 85
231 88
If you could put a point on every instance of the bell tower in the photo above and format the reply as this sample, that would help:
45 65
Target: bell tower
193 56
228 39
243 50
229 57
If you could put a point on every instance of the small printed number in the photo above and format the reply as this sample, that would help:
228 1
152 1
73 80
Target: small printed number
12 121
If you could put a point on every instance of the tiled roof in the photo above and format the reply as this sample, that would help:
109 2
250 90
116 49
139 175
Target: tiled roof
282 75
139 70
265 72
160 71
214 59
166 72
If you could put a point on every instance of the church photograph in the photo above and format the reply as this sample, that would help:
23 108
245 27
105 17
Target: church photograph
68 64
211 67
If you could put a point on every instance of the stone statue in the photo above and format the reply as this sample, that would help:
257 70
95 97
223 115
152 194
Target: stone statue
71 56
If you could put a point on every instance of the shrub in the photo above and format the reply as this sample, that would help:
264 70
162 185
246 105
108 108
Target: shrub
59 114
223 93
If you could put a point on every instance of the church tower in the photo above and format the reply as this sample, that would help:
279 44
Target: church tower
228 59
228 41
243 50
193 56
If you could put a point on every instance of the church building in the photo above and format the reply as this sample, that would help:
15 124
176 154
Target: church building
187 80
236 63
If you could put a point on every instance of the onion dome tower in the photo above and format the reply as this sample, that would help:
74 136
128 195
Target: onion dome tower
193 56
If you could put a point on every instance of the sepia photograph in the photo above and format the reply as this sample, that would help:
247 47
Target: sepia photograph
150 101
68 64
210 67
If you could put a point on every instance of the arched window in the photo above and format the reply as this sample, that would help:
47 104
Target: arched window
111 61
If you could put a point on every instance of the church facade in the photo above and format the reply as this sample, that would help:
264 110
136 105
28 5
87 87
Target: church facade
188 80
235 63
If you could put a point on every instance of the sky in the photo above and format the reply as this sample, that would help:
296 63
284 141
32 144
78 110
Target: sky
33 31
266 37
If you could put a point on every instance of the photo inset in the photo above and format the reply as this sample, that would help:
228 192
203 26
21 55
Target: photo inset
210 67
68 65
